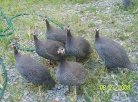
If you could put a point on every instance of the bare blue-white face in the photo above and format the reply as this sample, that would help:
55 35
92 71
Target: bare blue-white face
61 51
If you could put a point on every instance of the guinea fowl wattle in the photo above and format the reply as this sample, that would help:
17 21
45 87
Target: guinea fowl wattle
55 33
111 53
47 48
31 70
77 46
69 73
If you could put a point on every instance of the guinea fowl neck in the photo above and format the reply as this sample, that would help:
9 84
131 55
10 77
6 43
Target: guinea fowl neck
62 64
69 36
62 59
97 35
35 39
47 24
16 53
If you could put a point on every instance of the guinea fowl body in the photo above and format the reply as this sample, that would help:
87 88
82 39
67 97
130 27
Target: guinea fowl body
111 52
70 73
77 46
47 48
31 70
55 33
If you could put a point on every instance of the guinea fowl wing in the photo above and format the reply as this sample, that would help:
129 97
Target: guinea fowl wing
32 70
48 47
82 46
53 46
78 72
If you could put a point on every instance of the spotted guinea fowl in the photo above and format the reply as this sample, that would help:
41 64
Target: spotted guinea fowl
31 70
55 33
69 73
77 46
46 48
111 53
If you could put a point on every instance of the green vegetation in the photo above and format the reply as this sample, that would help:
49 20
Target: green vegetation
120 24
1 80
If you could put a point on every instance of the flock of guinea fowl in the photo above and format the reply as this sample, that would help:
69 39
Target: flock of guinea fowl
57 47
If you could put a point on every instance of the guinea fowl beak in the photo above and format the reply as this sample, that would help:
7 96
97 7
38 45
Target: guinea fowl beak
12 45
34 32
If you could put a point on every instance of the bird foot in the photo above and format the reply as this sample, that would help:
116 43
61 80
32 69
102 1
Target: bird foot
67 93
40 94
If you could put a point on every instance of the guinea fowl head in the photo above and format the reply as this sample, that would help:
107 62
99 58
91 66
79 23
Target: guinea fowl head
97 34
61 51
35 34
14 46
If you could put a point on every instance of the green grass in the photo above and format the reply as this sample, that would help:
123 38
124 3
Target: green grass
98 75
1 80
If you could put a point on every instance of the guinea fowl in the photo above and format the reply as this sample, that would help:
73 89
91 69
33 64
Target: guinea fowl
46 48
111 52
69 73
126 3
55 33
77 46
31 70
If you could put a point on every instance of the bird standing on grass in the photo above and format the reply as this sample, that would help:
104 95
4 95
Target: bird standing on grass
111 52
70 73
31 70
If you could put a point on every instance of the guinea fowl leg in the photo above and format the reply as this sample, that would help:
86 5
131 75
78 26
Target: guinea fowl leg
68 91
79 90
73 94
40 93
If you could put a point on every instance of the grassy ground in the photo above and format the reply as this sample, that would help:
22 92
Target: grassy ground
113 20
1 80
